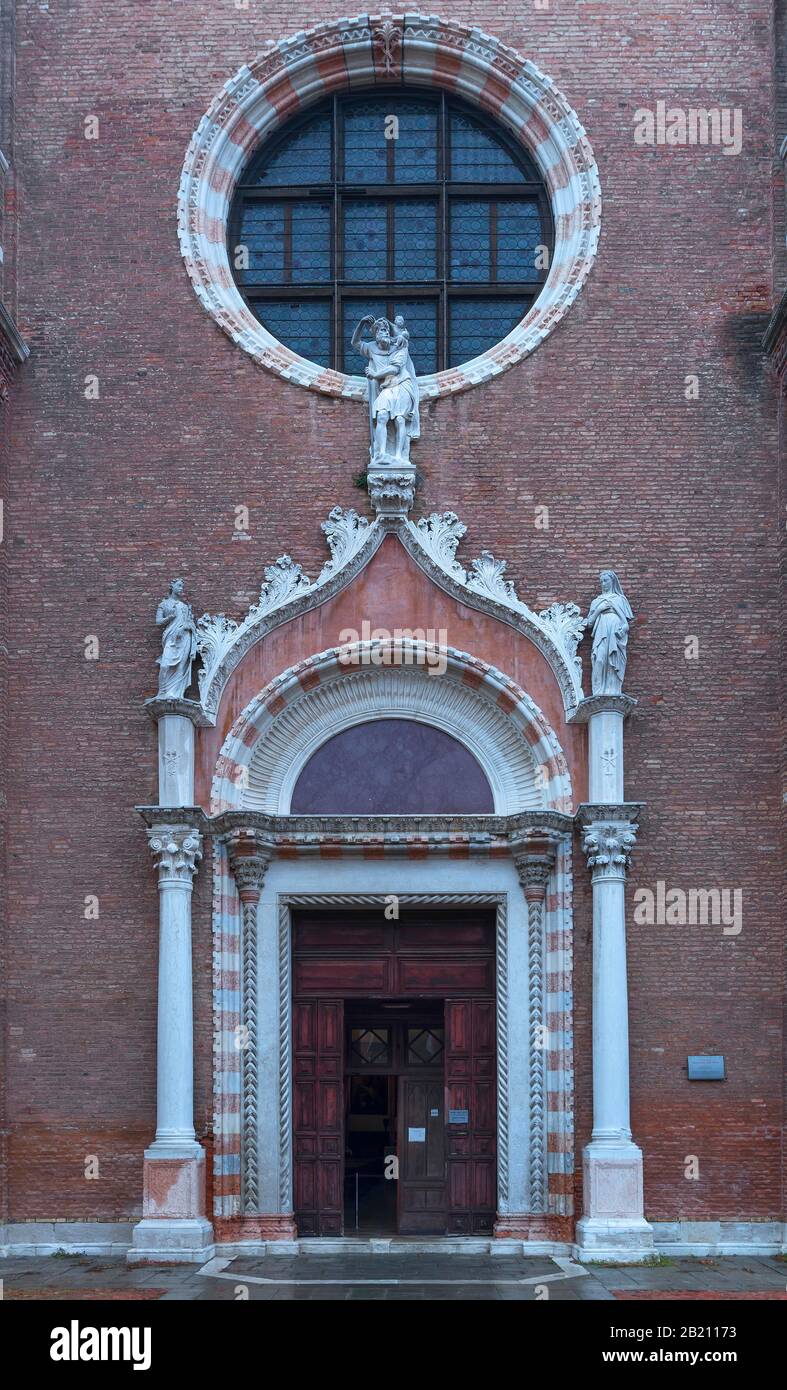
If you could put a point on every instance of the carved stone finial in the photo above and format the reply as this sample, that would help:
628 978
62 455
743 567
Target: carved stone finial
346 533
388 39
439 535
177 850
565 624
487 578
178 642
609 616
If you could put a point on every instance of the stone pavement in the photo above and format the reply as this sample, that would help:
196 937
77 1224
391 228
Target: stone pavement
396 1276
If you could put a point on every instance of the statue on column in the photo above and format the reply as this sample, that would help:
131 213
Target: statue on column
178 643
394 417
609 616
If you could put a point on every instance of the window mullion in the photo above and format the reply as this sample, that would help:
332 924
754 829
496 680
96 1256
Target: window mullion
390 259
287 275
442 326
404 218
337 249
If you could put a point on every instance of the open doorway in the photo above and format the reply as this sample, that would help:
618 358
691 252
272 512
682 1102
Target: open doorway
394 1097
394 1154
369 1147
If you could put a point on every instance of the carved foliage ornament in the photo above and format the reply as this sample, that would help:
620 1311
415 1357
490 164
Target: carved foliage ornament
352 539
177 850
608 846
284 581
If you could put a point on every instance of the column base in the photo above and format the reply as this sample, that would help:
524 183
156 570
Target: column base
533 1226
276 1226
621 1240
163 1240
614 1226
174 1228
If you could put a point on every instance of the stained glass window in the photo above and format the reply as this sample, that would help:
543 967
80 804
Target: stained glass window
391 203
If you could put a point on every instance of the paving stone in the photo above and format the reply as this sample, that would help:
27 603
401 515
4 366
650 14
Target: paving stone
347 1278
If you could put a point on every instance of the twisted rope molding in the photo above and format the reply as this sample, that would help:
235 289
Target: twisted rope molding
503 1087
285 1061
249 1087
535 945
534 872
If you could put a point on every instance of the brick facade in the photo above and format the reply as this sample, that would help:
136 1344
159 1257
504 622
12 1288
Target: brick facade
108 498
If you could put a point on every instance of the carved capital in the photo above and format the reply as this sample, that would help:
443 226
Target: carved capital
608 845
177 850
391 488
534 870
602 704
249 860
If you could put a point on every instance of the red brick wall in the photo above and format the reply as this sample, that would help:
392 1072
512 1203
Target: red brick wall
108 499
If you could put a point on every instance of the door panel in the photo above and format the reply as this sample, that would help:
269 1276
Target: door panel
471 1143
422 1200
318 1116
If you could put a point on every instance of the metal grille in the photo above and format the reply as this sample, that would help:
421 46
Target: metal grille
391 204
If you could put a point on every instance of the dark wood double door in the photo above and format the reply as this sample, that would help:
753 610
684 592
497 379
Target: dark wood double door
394 1098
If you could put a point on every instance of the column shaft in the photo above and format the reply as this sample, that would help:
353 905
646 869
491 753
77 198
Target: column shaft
175 1038
610 1012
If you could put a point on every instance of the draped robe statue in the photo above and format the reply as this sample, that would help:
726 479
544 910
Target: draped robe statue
178 641
609 616
394 417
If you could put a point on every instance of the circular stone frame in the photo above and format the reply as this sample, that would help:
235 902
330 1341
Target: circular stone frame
388 50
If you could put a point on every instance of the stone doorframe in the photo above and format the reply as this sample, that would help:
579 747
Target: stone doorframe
532 897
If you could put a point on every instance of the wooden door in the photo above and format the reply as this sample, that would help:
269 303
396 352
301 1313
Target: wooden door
421 1152
318 1116
471 1118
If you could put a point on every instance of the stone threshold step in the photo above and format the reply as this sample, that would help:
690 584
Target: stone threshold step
396 1245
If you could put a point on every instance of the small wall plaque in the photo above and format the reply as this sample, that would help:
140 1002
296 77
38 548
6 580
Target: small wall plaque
416 1136
707 1069
434 1114
458 1117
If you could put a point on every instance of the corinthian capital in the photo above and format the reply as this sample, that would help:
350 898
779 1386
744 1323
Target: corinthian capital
177 850
608 845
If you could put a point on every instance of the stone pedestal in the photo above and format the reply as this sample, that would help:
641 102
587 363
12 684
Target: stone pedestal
391 487
176 720
604 716
613 1225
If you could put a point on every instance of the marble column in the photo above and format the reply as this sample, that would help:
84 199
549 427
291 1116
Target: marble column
173 1223
174 1226
613 1224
